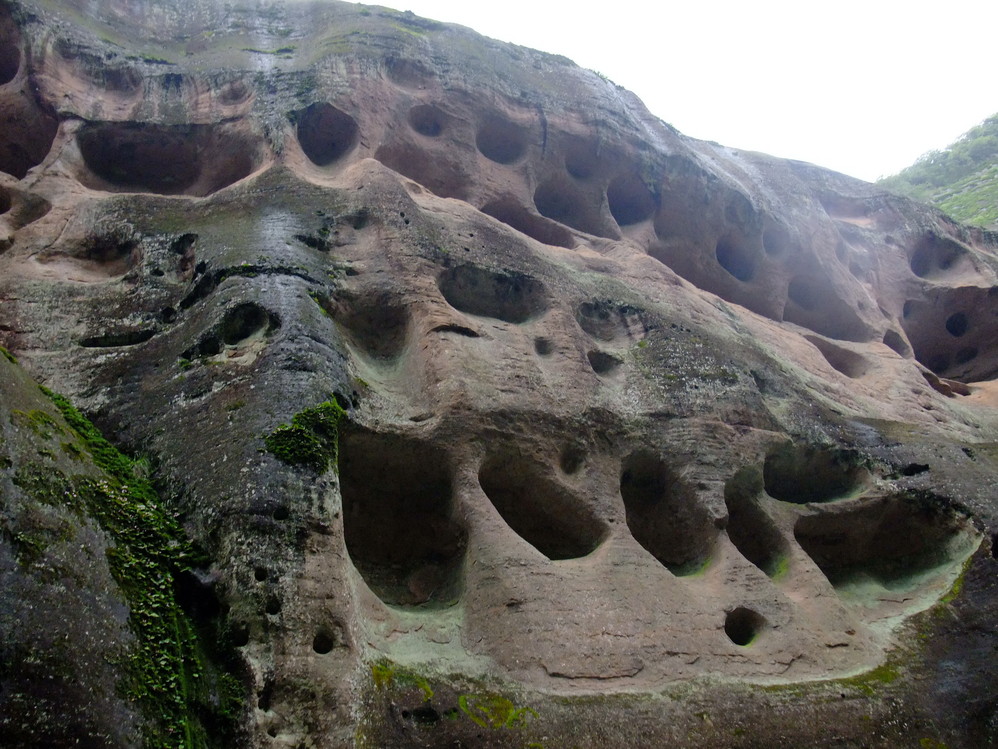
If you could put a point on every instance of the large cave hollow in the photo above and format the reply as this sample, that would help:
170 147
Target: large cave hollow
552 519
399 517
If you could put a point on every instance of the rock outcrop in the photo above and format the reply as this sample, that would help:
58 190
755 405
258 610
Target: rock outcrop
502 413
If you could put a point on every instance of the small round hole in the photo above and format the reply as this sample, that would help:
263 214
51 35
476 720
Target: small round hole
323 643
743 625
273 606
260 573
281 513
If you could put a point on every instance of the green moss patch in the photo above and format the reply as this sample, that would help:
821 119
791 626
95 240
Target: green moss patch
311 439
169 676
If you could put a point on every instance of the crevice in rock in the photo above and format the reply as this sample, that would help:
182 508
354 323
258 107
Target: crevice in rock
427 119
849 363
630 200
399 518
511 213
501 140
509 296
743 625
543 513
665 515
749 527
458 329
895 542
5 200
326 134
543 346
560 200
116 339
803 474
168 160
210 281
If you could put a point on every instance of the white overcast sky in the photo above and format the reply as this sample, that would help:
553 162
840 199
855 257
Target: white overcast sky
864 88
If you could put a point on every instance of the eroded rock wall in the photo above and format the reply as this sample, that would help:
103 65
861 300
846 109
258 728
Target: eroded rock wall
647 441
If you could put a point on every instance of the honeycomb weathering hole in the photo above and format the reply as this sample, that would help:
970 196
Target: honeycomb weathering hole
602 362
501 141
561 201
813 474
743 625
511 213
849 363
543 513
897 542
245 321
895 341
508 296
399 517
957 324
630 200
664 514
376 322
735 259
750 529
427 120
168 160
326 134
433 170
813 303
934 256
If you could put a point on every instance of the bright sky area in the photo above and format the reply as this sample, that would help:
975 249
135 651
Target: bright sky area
863 88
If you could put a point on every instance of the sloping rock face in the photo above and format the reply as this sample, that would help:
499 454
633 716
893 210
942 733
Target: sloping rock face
593 434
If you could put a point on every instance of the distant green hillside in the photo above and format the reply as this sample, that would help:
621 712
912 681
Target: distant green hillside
961 179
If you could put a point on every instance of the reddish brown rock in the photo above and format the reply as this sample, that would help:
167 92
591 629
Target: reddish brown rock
649 442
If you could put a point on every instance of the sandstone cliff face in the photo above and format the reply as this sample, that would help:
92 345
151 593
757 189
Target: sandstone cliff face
647 442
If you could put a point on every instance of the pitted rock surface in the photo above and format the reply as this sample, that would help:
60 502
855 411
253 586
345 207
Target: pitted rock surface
662 443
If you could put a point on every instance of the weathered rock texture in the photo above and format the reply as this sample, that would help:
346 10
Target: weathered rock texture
648 442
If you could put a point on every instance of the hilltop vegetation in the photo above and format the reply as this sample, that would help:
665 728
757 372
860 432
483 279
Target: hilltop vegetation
962 179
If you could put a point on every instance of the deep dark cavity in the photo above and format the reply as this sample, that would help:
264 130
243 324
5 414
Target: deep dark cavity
28 131
630 200
957 324
121 338
501 141
749 527
813 474
5 200
399 517
735 258
511 213
376 322
743 625
427 120
167 160
572 458
665 515
606 321
846 361
509 296
934 256
543 346
602 362
545 514
896 540
561 200
243 321
326 134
